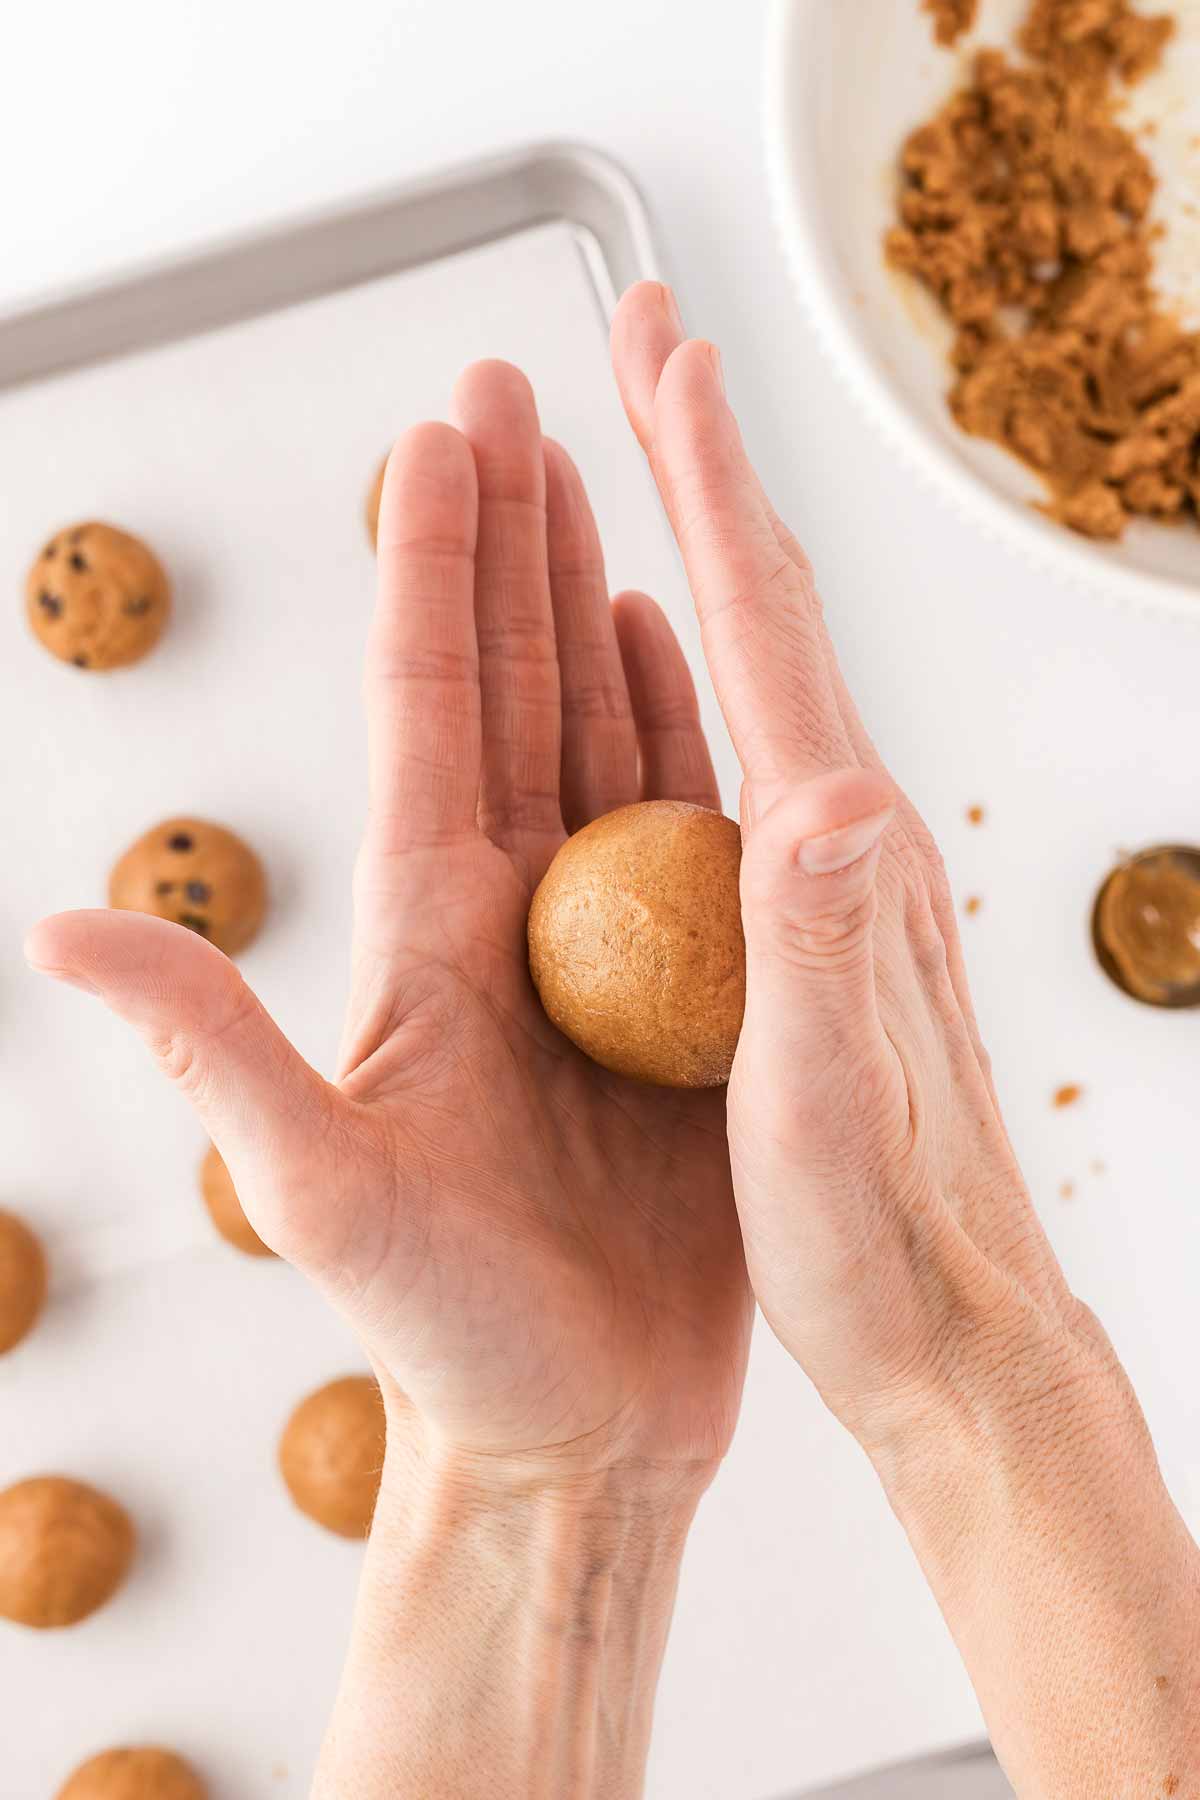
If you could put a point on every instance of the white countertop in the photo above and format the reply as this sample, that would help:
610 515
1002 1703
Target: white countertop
806 1646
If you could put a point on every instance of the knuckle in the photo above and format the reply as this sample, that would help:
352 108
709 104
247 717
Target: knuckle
184 1053
833 937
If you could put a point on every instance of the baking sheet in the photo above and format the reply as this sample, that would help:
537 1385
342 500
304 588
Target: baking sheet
167 1363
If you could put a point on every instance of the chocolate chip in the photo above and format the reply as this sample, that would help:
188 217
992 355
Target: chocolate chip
78 562
198 891
194 922
73 537
180 841
50 551
164 887
50 604
135 608
81 662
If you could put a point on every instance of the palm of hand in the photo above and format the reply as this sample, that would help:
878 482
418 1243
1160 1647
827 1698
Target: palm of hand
555 1266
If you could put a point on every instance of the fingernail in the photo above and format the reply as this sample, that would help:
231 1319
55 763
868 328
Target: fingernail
671 306
838 850
714 357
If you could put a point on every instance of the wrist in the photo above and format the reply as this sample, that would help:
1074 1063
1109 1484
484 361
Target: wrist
421 1461
510 1626
1033 1499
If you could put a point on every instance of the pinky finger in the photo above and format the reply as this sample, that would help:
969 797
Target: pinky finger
672 749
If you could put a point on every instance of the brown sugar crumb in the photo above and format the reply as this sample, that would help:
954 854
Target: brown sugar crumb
1025 208
973 906
975 815
1099 1168
1171 1784
1162 1683
951 18
1067 1190
1069 1095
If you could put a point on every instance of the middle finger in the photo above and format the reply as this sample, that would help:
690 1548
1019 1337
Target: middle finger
514 619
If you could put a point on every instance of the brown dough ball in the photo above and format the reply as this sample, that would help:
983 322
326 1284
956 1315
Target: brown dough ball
143 1773
224 1207
22 1279
636 946
195 874
374 498
65 1549
97 597
331 1454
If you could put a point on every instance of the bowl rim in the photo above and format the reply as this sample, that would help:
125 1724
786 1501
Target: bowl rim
1050 547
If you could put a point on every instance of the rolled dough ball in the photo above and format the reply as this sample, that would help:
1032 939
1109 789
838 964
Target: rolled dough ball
331 1454
142 1773
97 597
224 1207
65 1549
195 874
22 1279
636 946
374 498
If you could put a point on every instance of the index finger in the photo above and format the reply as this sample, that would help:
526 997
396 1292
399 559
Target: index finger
757 607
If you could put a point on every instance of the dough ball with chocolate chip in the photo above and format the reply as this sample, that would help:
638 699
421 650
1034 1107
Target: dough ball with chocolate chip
65 1549
97 597
22 1279
374 500
142 1773
331 1454
195 874
224 1207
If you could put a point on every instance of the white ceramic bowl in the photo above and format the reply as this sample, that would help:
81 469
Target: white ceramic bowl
846 81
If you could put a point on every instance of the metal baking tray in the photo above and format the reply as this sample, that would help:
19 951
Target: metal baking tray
970 1774
228 283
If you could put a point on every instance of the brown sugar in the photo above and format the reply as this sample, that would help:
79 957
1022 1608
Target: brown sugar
975 815
973 907
1069 1095
1025 208
951 18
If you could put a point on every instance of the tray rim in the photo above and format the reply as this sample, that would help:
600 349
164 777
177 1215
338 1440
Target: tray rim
465 206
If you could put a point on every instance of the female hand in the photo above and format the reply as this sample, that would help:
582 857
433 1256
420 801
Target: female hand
543 1258
889 1234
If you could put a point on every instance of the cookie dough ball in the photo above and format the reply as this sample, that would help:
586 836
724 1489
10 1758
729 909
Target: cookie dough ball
97 597
331 1454
143 1773
195 874
22 1279
636 947
224 1207
374 498
65 1549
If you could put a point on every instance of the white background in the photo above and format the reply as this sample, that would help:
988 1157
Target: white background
805 1645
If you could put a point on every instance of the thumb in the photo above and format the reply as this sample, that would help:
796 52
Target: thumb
808 907
266 1110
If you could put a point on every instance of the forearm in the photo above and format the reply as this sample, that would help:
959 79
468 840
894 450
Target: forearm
508 1638
1072 1588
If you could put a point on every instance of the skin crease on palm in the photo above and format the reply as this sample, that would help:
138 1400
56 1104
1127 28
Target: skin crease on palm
551 1268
